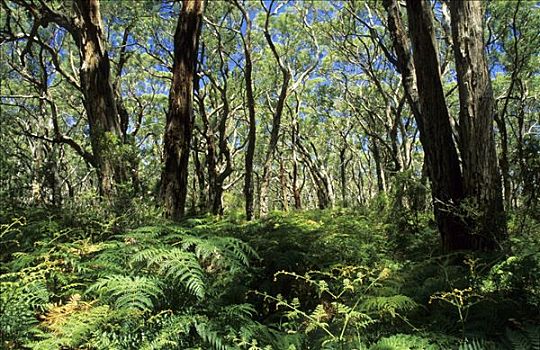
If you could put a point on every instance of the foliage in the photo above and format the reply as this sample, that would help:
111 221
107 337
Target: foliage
314 279
156 287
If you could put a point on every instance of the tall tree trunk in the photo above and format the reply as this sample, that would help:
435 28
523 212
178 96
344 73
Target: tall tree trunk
276 122
250 153
99 97
295 130
179 125
435 130
295 189
481 176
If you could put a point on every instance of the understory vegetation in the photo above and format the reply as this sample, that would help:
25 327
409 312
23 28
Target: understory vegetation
372 278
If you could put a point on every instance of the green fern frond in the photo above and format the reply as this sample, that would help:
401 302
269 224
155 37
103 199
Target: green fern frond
243 311
404 342
526 339
177 266
210 337
207 247
389 304
474 344
127 292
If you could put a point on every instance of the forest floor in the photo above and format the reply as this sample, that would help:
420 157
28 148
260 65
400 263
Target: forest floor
369 278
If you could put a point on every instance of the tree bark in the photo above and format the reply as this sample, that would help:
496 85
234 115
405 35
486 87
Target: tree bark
343 176
435 129
379 171
179 125
276 122
295 189
283 185
99 97
481 175
250 152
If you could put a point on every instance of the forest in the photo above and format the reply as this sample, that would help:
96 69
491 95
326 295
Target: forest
269 174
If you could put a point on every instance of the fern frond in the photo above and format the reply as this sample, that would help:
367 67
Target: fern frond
128 292
404 342
526 339
70 325
210 337
474 344
389 304
177 266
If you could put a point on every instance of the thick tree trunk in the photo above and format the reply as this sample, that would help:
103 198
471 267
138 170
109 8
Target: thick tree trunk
179 125
99 97
481 176
435 130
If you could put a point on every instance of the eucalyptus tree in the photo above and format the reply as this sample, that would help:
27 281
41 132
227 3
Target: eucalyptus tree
250 102
219 100
481 174
179 124
276 112
478 182
512 47
97 80
294 71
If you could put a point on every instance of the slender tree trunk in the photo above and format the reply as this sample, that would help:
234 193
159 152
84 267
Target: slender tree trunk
250 153
179 125
283 185
202 204
481 176
343 176
294 140
381 184
276 122
274 136
296 190
321 179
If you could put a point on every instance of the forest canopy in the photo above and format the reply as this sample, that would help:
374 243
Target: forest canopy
269 174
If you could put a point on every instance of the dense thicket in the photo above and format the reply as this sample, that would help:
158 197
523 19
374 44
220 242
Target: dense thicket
269 174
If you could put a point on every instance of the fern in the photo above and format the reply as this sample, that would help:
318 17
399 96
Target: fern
474 344
172 329
136 293
70 325
211 337
177 266
391 305
404 342
234 250
525 339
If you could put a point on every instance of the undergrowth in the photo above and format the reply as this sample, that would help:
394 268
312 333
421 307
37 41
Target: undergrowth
334 279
